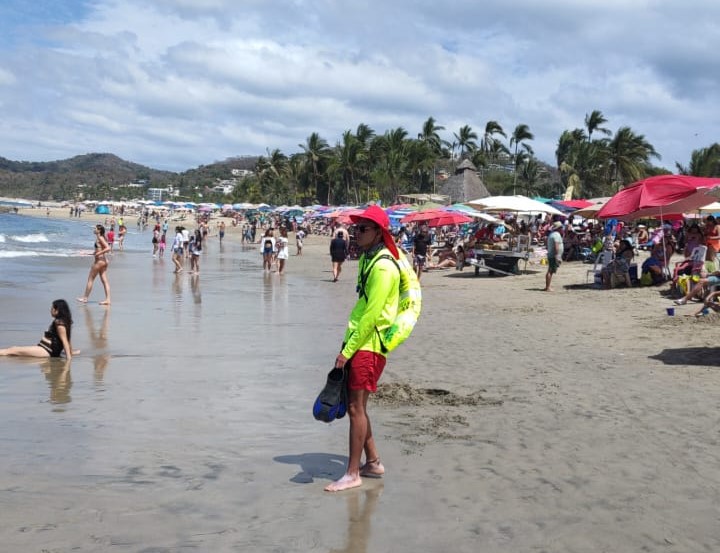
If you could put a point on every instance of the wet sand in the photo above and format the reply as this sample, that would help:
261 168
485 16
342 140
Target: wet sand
512 419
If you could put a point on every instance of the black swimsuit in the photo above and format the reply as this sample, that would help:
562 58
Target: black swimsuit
55 345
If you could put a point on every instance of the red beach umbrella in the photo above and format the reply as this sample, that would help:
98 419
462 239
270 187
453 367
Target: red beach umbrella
449 219
654 196
423 215
575 204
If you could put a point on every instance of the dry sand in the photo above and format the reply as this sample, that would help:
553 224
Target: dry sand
512 420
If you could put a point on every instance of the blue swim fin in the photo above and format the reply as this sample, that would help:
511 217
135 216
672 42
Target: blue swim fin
331 403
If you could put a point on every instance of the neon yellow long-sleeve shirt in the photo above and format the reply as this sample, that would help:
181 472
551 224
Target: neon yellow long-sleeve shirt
377 308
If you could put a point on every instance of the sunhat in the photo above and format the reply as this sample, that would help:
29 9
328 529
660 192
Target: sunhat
380 218
556 225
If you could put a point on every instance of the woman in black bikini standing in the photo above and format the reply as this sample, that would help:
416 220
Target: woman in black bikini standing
99 266
55 340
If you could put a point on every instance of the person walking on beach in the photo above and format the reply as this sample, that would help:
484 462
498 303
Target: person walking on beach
155 240
362 349
554 253
338 254
122 231
195 247
185 241
267 249
299 237
111 238
283 250
99 266
177 249
421 243
55 340
221 231
161 245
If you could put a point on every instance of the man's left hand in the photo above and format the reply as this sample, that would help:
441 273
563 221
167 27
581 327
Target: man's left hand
340 361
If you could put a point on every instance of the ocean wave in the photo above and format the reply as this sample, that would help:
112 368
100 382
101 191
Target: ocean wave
30 238
32 253
2 238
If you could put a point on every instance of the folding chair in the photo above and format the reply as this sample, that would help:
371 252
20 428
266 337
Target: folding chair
602 260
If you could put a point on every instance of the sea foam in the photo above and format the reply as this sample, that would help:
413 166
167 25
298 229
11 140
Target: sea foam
30 238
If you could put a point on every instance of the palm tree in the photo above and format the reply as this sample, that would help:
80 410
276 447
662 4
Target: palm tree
629 156
315 151
466 138
294 176
365 136
391 169
430 135
593 122
530 176
704 162
521 133
270 171
489 144
346 161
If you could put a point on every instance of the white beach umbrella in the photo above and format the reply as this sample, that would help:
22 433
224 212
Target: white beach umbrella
520 204
710 208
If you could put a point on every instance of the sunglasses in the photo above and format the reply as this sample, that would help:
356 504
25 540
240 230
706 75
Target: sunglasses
363 228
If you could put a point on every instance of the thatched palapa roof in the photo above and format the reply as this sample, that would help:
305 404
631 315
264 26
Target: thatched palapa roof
465 184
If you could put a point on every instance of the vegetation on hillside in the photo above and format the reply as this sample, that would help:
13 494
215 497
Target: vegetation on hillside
364 165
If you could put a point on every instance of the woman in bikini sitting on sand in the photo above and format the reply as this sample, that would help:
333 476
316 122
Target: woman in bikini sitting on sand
55 340
99 266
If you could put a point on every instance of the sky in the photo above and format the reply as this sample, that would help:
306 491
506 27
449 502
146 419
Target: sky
173 84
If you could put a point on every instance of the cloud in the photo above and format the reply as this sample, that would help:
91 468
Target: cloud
180 83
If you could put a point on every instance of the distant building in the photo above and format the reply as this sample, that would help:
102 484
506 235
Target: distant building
242 173
225 186
160 194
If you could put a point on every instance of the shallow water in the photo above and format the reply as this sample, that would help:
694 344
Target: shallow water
186 420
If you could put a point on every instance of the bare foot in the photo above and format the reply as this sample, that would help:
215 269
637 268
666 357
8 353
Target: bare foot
345 483
372 469
82 300
547 290
105 302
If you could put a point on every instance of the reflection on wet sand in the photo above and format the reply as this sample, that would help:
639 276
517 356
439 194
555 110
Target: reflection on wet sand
360 516
195 287
57 374
99 340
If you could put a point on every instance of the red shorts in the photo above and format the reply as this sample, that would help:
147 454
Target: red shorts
365 370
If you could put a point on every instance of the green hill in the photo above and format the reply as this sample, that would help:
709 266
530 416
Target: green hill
103 176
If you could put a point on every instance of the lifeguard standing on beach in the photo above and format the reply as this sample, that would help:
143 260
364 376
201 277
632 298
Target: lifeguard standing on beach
362 350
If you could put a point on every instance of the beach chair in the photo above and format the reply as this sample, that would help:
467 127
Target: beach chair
601 261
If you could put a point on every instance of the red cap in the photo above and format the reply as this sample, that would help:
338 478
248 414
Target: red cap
376 214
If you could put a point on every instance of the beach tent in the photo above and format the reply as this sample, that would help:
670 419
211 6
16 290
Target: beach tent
102 209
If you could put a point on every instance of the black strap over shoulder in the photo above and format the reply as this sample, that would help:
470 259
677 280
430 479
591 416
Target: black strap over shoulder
365 274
